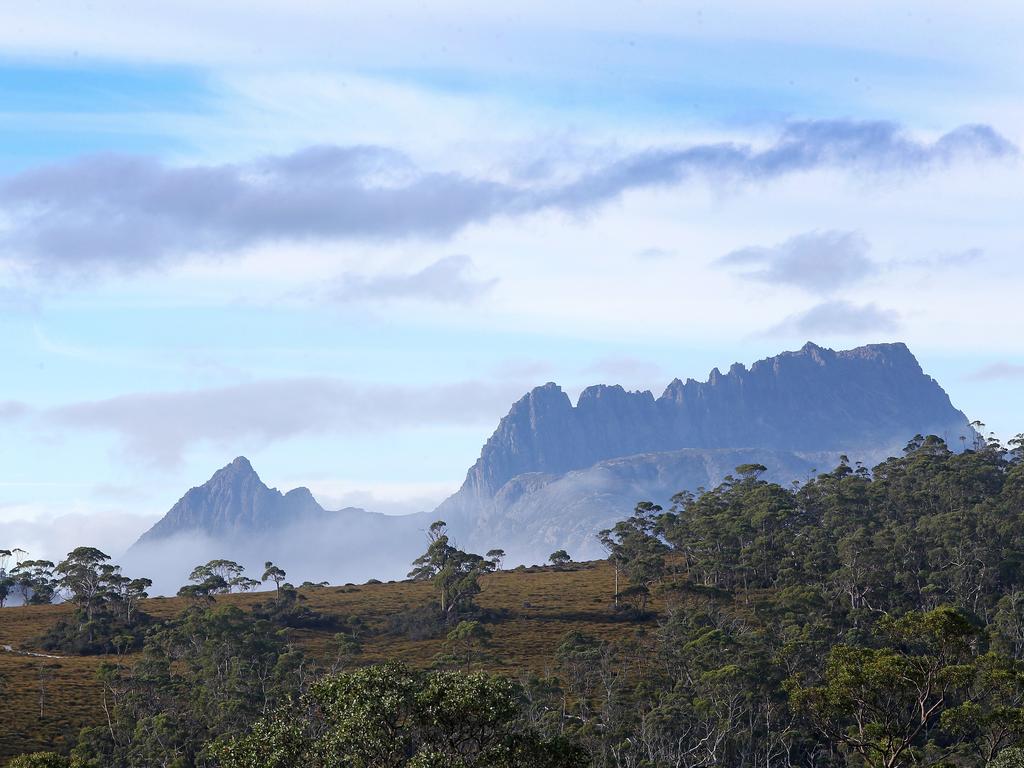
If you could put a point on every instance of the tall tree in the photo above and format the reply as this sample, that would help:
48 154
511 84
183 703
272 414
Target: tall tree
455 574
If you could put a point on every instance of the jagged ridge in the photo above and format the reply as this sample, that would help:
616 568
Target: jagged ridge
815 399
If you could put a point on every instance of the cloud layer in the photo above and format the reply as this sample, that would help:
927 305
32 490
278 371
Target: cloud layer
123 213
158 427
999 372
447 280
818 262
839 318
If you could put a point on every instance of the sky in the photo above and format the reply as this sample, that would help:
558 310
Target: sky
342 241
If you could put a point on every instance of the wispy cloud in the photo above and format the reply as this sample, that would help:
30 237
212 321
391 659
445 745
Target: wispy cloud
838 317
944 260
818 262
48 534
655 254
999 372
121 213
158 427
12 409
447 280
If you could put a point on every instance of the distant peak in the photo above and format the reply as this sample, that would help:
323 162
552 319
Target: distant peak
237 469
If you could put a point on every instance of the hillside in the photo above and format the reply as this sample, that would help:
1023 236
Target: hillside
752 620
46 701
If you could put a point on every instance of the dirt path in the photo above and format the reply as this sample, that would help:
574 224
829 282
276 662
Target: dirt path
9 649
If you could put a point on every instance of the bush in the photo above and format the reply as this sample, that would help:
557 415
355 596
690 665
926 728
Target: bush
40 760
395 716
105 634
1012 757
285 610
424 622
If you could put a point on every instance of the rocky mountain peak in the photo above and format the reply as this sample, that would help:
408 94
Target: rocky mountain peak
869 399
234 500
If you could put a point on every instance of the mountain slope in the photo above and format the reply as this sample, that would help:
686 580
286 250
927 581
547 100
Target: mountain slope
534 513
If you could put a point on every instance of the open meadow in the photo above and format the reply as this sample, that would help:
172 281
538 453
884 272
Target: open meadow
45 700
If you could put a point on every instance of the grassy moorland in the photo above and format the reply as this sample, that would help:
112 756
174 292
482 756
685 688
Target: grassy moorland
45 701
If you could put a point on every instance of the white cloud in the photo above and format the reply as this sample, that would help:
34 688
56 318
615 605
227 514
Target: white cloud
1001 371
111 213
446 280
158 427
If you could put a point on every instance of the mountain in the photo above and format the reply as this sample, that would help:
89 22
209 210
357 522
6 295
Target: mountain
553 474
235 501
535 513
235 515
553 469
870 398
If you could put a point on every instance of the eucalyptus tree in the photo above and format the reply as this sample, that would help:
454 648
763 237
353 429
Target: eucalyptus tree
455 574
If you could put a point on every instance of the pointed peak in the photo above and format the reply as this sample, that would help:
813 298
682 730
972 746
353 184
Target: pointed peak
238 468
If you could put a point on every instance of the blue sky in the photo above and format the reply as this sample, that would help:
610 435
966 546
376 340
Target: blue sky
342 243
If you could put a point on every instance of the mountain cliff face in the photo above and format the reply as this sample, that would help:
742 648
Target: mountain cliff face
236 502
554 473
866 399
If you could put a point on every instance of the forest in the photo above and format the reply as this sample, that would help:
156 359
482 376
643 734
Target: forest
865 617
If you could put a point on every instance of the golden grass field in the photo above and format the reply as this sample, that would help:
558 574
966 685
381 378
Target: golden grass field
45 701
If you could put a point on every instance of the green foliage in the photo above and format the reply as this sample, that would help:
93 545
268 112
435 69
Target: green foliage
219 577
454 573
885 704
1011 757
465 646
33 579
636 548
208 673
559 558
40 760
390 716
106 618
